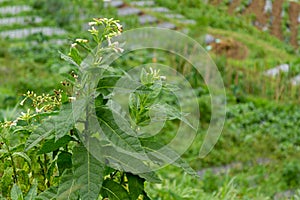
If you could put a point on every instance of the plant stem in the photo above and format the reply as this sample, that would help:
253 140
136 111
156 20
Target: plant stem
13 165
45 168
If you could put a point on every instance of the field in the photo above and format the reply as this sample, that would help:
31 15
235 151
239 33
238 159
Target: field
46 77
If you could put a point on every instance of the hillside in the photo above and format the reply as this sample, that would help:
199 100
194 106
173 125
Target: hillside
255 47
279 18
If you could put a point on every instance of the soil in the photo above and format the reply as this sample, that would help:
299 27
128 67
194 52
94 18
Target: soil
257 8
233 6
263 19
276 24
230 48
294 10
215 2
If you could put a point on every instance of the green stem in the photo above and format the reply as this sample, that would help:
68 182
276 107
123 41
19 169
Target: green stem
45 170
45 167
13 165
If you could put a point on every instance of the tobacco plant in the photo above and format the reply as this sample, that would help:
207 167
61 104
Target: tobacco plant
80 144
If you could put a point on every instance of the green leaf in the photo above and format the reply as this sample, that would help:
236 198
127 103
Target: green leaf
69 59
186 167
16 193
74 54
127 162
3 153
106 84
17 148
135 185
171 113
150 177
49 194
58 124
31 195
115 131
67 188
163 155
6 180
40 133
23 176
24 156
52 145
64 161
114 191
86 47
88 173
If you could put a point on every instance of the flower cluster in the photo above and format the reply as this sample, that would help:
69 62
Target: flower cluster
44 102
111 26
101 29
8 124
151 77
25 116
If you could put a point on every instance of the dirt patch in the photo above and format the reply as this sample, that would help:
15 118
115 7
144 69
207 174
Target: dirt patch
276 23
230 48
215 2
294 10
257 8
233 6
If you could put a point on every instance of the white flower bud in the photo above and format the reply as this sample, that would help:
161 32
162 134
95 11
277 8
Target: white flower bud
92 23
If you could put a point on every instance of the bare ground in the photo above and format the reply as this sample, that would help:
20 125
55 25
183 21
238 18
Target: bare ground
276 24
294 10
233 6
257 8
231 48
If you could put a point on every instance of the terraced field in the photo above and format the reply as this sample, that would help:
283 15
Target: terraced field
279 17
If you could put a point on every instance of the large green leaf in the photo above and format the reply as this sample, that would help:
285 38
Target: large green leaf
67 188
127 162
114 191
115 132
40 133
164 155
171 113
59 124
88 173
107 83
16 193
49 194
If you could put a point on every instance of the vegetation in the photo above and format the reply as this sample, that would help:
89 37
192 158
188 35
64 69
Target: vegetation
44 156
